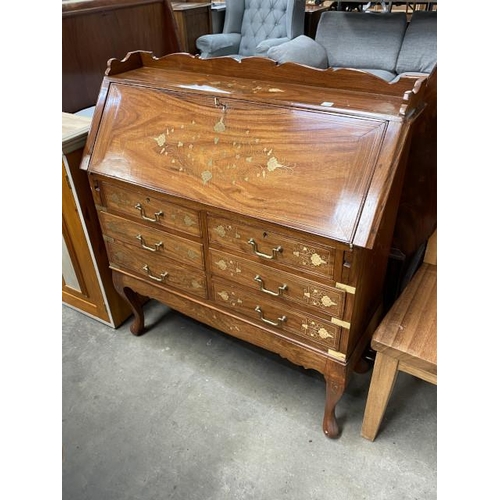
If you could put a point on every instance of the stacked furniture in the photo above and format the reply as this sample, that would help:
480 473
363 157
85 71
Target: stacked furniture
257 198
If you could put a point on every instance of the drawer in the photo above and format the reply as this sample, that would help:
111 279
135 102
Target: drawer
269 312
269 246
156 268
150 209
150 240
272 282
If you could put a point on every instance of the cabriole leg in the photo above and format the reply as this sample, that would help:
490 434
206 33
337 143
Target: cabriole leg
334 391
135 302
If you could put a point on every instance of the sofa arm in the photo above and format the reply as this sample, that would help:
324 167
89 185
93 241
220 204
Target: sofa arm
300 50
218 44
263 47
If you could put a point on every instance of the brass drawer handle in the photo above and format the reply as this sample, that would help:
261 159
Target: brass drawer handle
162 277
157 214
268 321
151 249
276 250
280 291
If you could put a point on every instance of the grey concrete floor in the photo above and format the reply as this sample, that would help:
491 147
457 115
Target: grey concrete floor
185 412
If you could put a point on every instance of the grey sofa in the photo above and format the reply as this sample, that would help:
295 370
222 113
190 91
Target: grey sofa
251 27
383 44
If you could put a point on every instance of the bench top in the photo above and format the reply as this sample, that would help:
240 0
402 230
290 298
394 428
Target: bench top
409 330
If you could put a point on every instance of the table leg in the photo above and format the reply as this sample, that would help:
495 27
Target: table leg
384 376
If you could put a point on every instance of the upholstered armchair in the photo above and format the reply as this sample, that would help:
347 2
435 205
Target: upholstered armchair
252 27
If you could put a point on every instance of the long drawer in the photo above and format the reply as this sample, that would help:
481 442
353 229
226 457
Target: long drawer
272 312
266 245
151 240
149 208
275 283
157 268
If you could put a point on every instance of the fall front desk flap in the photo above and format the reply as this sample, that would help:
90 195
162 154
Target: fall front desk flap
303 164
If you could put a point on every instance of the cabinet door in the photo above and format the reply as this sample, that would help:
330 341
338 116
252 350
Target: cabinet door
80 285
86 278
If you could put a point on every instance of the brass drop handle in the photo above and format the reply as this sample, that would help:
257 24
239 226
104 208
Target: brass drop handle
268 321
275 253
143 214
280 291
162 277
151 249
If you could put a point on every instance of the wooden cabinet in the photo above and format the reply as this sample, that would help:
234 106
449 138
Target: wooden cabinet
256 198
194 19
86 278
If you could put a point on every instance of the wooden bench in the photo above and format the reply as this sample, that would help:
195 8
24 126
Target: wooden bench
405 341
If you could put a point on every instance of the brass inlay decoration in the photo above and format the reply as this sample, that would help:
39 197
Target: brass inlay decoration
225 147
347 288
220 231
224 295
336 355
317 260
327 301
310 256
318 298
343 324
323 333
188 221
221 264
317 331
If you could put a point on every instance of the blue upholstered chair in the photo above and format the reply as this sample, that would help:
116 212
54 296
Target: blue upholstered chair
252 27
383 44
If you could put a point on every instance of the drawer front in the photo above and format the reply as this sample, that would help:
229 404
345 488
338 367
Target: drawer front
151 209
271 282
150 240
269 246
274 313
157 269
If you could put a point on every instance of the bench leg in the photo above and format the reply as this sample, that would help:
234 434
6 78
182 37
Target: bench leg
382 382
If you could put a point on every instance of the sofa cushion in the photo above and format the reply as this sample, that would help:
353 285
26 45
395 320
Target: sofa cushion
300 50
419 50
362 39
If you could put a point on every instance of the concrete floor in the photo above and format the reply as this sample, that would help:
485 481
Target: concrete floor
187 413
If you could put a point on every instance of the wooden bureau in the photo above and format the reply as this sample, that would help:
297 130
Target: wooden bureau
256 198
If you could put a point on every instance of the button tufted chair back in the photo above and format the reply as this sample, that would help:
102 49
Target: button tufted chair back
251 27
262 19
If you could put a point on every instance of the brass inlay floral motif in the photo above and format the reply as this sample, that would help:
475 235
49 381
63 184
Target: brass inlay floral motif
224 295
188 221
317 260
327 301
191 254
323 333
318 332
310 256
318 298
250 157
221 264
195 284
206 176
220 231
